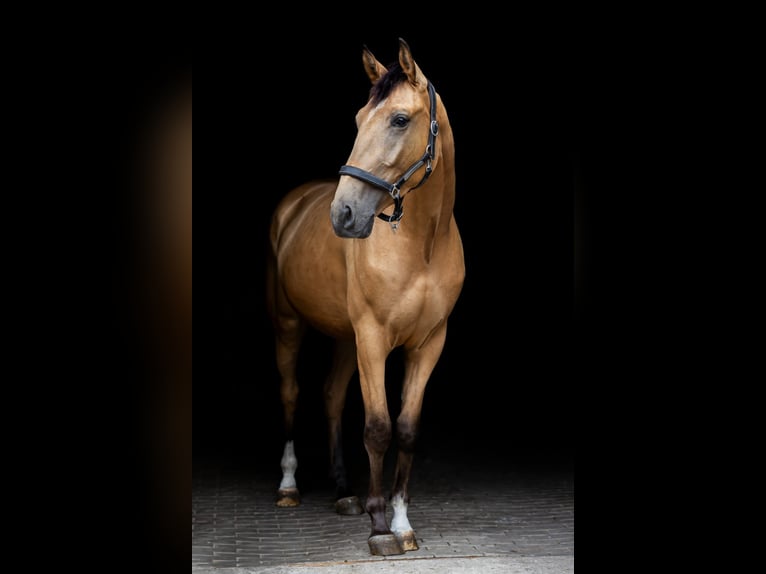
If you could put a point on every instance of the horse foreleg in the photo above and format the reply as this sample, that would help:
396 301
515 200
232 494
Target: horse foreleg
289 335
336 386
377 437
419 363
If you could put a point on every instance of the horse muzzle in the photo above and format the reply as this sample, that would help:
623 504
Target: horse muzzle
350 222
353 208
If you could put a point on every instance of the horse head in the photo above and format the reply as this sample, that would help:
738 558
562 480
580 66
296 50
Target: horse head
395 141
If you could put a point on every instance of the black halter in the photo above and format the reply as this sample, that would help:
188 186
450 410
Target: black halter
394 189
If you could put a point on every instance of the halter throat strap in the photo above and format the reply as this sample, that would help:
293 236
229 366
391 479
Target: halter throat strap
394 189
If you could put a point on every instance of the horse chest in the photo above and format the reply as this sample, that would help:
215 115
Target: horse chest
404 301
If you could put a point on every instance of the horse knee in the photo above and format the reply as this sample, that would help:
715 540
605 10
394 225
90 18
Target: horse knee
377 434
406 434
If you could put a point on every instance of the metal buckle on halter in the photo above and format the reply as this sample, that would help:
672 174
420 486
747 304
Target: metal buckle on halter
434 127
395 192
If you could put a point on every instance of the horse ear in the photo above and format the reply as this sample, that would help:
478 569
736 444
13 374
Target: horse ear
373 68
414 74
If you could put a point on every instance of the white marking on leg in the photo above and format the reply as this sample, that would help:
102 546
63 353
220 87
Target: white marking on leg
289 464
399 523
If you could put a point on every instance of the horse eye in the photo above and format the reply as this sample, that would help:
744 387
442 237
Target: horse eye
400 121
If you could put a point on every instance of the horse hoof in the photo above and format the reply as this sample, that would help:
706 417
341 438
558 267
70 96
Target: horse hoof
348 505
384 545
288 497
407 540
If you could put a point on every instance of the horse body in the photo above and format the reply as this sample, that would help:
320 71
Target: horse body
371 289
311 261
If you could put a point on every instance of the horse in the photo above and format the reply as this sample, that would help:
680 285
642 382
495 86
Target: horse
343 261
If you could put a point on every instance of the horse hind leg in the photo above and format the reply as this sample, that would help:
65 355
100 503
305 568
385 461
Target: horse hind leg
290 331
335 389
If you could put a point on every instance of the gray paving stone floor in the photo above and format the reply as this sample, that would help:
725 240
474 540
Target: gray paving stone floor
491 518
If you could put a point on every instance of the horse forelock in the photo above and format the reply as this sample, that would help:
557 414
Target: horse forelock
387 82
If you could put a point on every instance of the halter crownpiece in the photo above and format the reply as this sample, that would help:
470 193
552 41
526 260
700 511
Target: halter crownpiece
394 189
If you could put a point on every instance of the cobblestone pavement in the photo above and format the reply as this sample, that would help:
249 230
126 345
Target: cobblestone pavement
458 509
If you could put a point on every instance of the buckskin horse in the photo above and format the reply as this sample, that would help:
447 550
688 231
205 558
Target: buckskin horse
371 285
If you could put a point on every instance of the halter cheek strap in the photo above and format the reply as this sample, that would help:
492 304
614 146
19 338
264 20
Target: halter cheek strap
394 189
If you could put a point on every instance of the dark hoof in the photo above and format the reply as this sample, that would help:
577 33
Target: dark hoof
384 545
287 497
407 540
348 505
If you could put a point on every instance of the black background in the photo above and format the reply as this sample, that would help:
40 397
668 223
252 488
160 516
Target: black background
542 345
283 113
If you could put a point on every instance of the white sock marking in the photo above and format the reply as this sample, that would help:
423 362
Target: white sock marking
400 523
289 464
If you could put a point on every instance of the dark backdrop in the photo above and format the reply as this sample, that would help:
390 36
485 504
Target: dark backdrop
280 113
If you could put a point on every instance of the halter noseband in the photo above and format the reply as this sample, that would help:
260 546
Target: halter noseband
394 189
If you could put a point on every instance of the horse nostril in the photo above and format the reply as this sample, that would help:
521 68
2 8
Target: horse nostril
347 216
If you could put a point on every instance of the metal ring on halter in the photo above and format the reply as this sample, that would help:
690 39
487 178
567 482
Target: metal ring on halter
394 218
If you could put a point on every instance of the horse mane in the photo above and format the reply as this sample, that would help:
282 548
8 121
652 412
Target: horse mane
387 82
